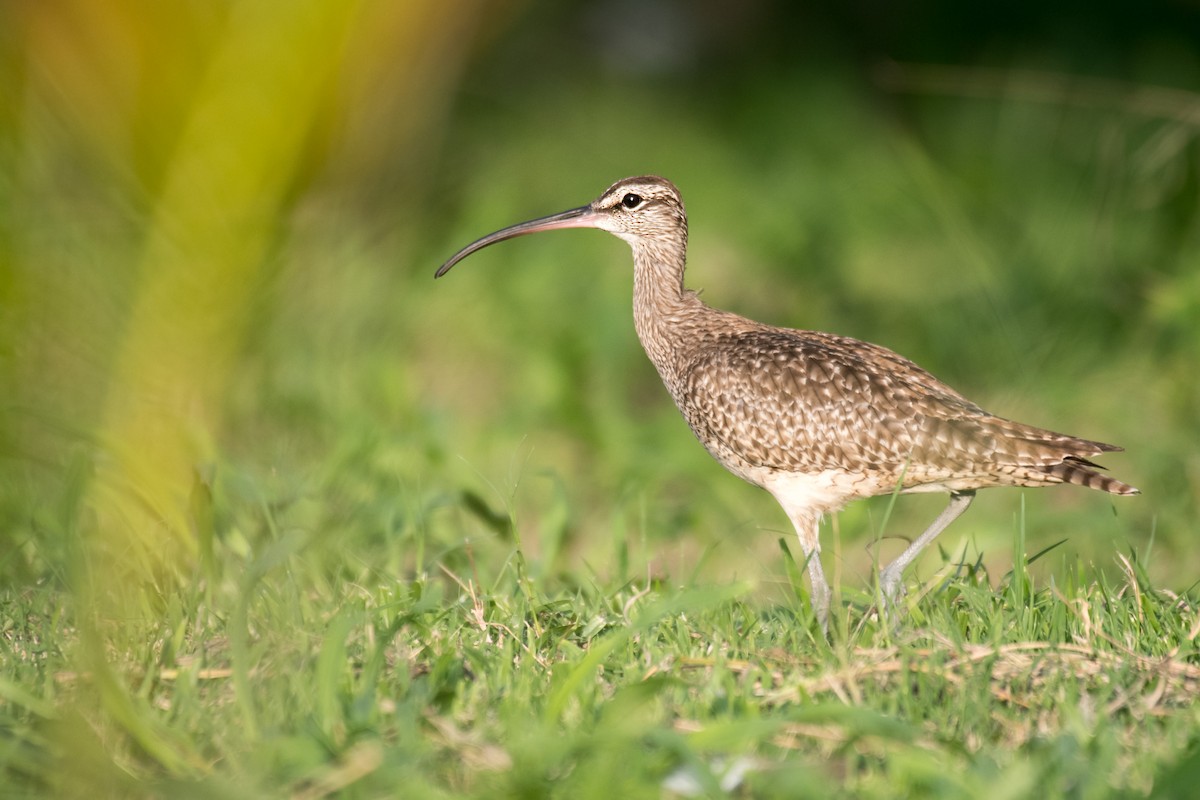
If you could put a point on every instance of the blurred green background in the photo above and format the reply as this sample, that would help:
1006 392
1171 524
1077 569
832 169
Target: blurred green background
219 223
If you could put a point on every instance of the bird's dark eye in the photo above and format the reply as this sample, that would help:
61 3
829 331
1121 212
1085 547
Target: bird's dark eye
631 200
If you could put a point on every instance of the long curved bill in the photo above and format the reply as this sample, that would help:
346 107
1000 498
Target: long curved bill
582 217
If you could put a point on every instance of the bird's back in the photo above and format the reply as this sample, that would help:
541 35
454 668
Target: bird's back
768 400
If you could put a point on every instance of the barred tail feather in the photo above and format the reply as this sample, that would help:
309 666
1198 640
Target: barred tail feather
1083 473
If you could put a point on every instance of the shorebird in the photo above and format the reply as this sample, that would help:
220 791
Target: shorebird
814 418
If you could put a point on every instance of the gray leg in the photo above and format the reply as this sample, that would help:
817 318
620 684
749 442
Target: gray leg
795 496
807 522
889 577
820 589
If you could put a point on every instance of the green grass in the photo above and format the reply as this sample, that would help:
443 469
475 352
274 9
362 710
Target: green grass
452 540
305 670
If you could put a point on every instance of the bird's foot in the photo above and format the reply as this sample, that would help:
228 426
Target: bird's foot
820 607
892 590
890 584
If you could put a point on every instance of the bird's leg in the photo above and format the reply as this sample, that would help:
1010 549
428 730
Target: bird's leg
889 577
808 528
820 588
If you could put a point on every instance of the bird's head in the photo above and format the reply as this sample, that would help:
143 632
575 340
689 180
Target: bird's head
642 211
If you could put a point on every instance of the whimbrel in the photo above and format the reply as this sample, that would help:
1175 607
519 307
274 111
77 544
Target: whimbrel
814 418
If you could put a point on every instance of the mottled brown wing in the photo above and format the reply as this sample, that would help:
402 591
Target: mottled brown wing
806 402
